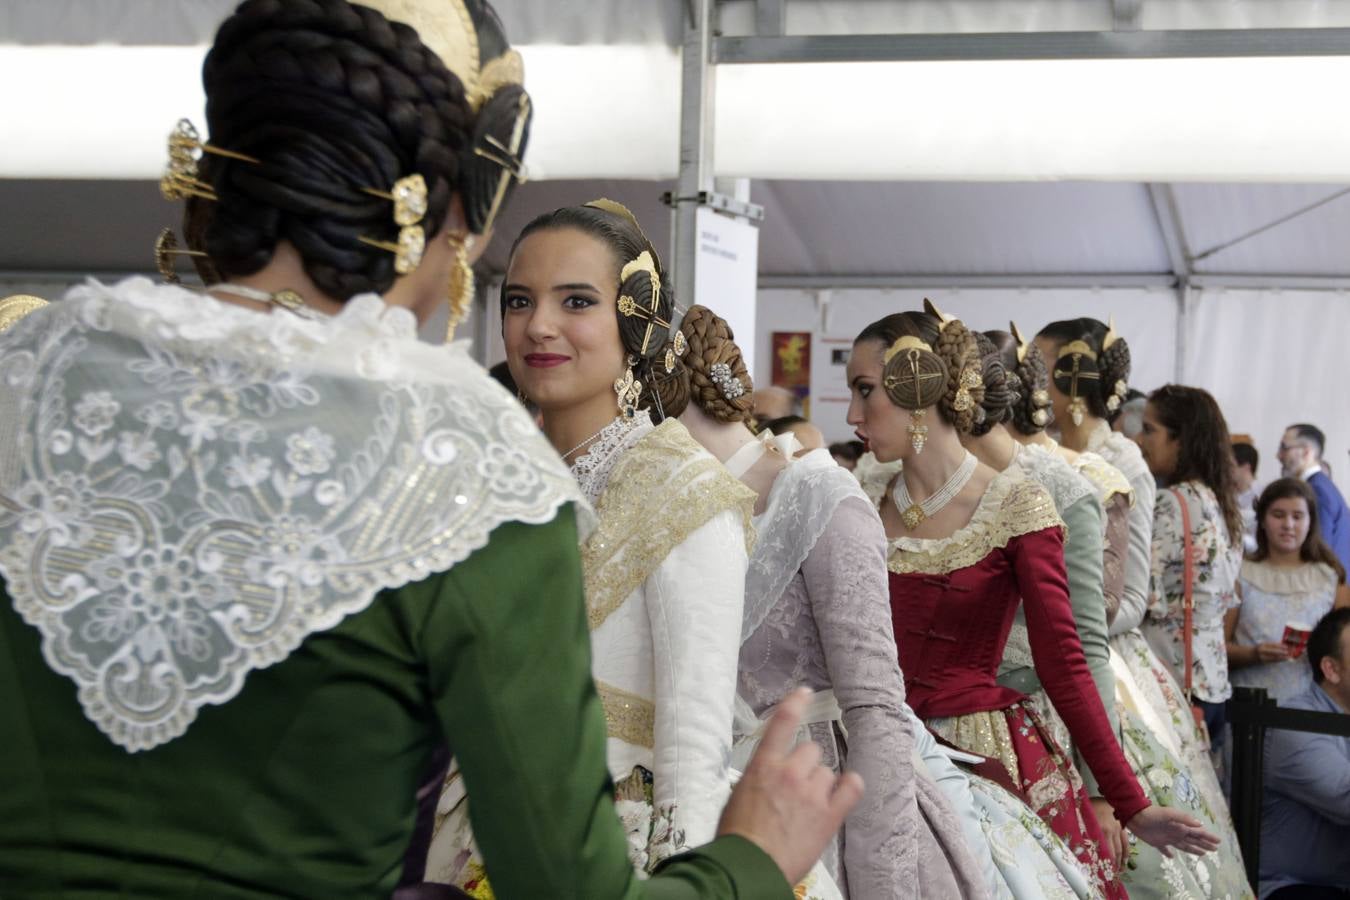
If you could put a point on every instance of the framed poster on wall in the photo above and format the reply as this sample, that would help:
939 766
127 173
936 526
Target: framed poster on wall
792 365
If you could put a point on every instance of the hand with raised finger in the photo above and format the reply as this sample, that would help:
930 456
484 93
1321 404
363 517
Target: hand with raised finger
1164 828
787 803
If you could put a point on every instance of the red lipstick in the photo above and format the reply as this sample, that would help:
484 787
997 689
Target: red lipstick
545 360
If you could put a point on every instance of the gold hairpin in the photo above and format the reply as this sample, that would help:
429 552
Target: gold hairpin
629 307
166 247
1022 345
181 179
409 195
943 319
1111 336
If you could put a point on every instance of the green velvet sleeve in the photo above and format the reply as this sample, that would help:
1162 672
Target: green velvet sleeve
510 675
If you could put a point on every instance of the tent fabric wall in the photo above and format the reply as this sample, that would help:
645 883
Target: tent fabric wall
1272 358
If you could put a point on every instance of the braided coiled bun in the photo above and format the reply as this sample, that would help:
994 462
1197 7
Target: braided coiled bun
1033 410
711 343
957 349
332 98
669 393
1001 388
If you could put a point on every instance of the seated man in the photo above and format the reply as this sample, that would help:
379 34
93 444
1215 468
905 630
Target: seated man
1305 820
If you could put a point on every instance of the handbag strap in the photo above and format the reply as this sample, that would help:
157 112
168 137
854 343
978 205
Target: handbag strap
1187 581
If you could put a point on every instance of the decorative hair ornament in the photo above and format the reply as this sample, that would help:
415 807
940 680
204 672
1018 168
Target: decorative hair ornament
728 385
628 306
459 293
1111 336
181 176
1040 398
1075 352
409 196
943 319
969 378
913 372
166 248
1022 344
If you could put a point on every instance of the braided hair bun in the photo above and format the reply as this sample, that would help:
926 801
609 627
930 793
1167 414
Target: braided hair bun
1032 411
1002 390
718 381
333 99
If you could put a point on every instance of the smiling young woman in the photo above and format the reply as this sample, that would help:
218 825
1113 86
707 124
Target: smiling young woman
586 321
1285 587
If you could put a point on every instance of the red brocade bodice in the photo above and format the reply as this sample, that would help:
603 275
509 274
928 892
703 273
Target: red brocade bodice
953 602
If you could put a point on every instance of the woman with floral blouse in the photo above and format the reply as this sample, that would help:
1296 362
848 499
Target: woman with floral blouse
1185 443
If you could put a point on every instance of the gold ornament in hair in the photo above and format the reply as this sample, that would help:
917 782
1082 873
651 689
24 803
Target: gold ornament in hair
1076 352
409 196
166 248
943 319
181 176
904 373
1111 336
1022 344
459 293
629 307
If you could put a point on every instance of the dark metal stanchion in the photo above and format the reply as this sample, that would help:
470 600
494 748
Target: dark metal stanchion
1252 714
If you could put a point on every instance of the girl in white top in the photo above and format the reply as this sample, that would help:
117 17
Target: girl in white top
1292 578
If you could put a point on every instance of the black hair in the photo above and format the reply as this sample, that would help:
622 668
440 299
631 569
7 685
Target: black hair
1312 435
626 242
333 98
1246 455
1111 366
852 450
1032 410
1326 639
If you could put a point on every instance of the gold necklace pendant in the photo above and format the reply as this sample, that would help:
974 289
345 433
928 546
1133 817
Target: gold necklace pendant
913 516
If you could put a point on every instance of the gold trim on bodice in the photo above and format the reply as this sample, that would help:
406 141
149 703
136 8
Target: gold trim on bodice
15 307
1106 478
1011 507
628 717
663 489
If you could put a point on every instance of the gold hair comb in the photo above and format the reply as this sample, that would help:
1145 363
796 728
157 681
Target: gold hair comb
181 179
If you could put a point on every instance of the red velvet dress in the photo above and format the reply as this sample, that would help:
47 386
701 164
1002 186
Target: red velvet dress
952 603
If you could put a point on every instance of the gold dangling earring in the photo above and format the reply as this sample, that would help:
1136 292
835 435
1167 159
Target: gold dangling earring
460 290
918 432
628 390
1077 408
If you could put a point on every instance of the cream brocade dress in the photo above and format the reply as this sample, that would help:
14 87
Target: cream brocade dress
665 572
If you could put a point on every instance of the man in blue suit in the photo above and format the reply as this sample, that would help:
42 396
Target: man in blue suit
1301 457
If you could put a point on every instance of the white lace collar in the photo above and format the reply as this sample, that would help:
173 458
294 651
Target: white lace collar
801 503
1048 469
1309 578
592 468
193 488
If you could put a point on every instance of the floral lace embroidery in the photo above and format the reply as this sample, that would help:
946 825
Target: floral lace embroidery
592 468
662 490
1050 471
801 503
193 492
1011 507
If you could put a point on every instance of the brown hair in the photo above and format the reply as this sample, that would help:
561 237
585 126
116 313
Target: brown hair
711 343
1032 379
1314 549
1112 364
954 351
1204 450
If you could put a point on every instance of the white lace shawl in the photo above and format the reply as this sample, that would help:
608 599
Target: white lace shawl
801 503
192 488
1047 468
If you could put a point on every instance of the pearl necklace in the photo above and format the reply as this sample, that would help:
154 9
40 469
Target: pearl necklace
912 514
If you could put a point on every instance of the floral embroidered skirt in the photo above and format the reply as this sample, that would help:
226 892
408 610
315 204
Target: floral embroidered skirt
1047 779
1159 703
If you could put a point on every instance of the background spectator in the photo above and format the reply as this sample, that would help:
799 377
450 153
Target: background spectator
1245 462
775 403
808 435
1301 457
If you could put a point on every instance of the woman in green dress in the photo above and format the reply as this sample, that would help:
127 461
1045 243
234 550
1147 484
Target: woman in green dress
264 555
